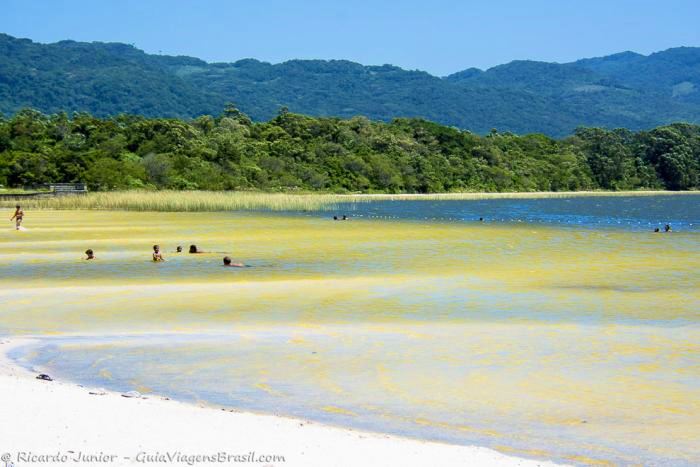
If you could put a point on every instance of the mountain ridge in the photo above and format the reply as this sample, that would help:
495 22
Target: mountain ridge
626 89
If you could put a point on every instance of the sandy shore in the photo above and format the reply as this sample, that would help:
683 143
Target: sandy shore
54 423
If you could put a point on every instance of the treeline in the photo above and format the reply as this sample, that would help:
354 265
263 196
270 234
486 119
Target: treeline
297 152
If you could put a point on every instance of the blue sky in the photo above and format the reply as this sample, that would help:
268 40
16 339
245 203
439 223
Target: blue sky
439 36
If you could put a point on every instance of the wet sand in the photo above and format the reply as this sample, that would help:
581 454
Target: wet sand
57 418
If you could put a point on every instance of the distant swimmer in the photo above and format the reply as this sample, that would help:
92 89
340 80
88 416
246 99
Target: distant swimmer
195 250
657 230
18 217
481 219
667 228
178 249
90 254
335 218
345 217
157 255
229 264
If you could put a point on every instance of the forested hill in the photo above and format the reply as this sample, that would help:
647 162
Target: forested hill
296 152
626 90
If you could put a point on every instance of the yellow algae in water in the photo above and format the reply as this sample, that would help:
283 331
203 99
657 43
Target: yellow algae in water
269 390
512 334
339 410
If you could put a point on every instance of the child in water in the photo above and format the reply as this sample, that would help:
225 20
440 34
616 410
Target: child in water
194 250
17 217
229 264
90 254
157 255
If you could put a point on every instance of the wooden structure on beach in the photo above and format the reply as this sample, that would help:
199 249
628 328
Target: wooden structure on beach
60 189
49 191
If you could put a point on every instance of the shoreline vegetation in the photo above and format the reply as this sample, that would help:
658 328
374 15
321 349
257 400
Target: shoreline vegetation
295 153
219 201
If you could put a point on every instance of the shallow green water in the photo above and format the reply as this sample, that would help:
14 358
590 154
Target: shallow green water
550 341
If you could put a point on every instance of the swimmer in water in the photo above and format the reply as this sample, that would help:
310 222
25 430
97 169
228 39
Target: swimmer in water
229 264
178 249
667 228
157 255
90 254
18 217
194 250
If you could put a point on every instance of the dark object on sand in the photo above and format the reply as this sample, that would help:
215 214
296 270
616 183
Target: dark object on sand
44 377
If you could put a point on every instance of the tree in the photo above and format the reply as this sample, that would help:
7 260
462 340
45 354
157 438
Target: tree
294 151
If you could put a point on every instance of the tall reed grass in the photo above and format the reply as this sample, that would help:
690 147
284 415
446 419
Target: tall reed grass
180 201
192 201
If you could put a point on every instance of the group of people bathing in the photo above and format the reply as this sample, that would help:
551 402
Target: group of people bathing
159 258
18 216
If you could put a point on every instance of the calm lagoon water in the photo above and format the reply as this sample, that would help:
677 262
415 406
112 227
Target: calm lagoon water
560 328
627 212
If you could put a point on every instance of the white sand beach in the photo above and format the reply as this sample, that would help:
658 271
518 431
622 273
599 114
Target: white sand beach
57 422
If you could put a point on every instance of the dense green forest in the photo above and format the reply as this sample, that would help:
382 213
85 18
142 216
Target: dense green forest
296 152
625 90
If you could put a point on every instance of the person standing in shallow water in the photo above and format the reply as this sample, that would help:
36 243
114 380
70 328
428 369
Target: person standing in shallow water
18 217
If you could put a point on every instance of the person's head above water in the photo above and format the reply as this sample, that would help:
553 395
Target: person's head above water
194 249
227 261
90 254
179 249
